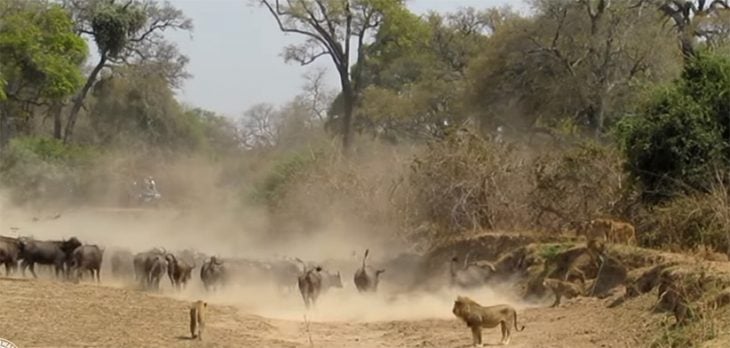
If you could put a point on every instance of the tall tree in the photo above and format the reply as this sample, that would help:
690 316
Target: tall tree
577 63
126 34
330 26
692 19
414 80
40 60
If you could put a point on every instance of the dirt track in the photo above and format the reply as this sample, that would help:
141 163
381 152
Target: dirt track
45 313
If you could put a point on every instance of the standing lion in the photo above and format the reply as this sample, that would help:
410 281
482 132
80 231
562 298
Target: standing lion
613 231
477 317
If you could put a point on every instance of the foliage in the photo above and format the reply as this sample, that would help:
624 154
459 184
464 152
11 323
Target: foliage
575 185
466 182
680 139
39 50
691 221
419 74
569 61
220 133
128 35
272 188
136 106
41 168
114 24
338 29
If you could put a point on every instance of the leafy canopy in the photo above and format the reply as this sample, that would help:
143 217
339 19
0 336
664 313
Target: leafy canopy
39 48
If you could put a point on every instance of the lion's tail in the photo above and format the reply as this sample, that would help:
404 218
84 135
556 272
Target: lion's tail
364 258
523 326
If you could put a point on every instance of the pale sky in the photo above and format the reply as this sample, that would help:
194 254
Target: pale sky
235 53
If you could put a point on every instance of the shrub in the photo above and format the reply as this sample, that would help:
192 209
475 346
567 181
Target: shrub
465 182
675 145
42 168
575 185
273 186
689 222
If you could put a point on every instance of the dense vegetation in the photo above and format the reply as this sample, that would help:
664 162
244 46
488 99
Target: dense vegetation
603 109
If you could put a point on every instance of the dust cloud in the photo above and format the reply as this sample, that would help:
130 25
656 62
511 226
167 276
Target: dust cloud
215 222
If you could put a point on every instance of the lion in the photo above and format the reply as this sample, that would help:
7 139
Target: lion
613 231
563 288
678 305
197 319
477 317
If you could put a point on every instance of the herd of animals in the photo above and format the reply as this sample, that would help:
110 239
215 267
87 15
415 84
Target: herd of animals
70 259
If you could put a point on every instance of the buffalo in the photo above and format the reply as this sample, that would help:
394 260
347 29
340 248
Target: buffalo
87 258
55 253
178 270
9 253
212 273
149 267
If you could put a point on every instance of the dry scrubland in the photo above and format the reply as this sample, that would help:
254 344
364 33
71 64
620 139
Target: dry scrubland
49 313
380 203
485 134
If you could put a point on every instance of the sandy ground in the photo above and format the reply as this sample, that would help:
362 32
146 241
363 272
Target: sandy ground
48 313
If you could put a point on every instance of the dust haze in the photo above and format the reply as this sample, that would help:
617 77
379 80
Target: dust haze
215 221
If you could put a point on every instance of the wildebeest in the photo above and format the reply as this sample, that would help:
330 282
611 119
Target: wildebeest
56 253
87 258
329 279
212 273
366 278
470 274
310 285
178 271
122 262
9 253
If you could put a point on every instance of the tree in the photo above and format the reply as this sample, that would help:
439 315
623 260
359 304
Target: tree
329 27
693 20
682 137
258 127
221 136
413 82
135 107
128 34
581 62
41 60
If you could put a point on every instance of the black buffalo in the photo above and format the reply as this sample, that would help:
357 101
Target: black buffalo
53 253
87 258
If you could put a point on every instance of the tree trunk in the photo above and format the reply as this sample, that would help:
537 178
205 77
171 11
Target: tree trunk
348 99
4 126
56 112
79 100
600 116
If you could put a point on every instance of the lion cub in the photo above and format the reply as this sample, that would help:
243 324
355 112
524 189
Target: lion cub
477 317
197 319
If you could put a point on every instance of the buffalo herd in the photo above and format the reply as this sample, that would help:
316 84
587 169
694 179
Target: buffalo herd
70 259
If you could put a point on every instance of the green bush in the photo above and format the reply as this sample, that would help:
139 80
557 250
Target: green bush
42 168
679 141
273 186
